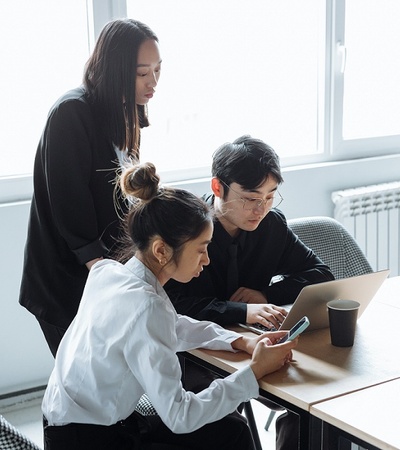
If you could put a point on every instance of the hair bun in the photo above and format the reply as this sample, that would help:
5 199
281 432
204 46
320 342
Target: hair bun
140 181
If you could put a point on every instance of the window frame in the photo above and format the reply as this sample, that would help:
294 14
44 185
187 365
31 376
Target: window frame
330 141
340 148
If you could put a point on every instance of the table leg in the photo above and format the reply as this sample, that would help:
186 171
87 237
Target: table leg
248 410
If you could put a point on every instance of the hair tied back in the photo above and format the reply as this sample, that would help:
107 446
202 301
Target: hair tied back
140 181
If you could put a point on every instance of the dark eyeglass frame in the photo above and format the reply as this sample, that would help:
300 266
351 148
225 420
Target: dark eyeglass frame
258 202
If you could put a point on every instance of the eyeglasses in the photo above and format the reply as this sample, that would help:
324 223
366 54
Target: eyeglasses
249 204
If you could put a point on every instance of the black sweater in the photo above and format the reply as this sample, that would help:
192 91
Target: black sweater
73 218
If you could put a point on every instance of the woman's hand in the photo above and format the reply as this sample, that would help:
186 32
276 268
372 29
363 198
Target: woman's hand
248 344
268 358
267 354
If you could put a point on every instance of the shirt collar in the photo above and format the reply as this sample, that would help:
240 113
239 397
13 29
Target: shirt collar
224 239
143 272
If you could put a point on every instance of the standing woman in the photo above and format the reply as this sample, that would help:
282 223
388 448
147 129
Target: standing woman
125 338
76 210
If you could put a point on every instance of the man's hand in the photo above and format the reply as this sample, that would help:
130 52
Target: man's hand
266 314
246 295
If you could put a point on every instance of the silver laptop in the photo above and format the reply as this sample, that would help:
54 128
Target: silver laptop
312 299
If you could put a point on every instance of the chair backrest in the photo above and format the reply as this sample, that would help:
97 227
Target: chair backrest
145 407
333 244
12 439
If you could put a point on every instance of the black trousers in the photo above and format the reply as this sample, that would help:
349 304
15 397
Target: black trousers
122 436
229 433
145 433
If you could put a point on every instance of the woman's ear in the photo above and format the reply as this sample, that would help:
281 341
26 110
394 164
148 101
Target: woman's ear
161 251
217 187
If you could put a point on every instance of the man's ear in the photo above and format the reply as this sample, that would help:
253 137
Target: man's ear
217 187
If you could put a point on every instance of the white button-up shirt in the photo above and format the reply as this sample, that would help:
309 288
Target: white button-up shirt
123 342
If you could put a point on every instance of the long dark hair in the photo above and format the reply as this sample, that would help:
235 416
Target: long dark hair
176 215
110 81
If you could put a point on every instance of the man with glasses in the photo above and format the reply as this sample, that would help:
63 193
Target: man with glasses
256 264
245 179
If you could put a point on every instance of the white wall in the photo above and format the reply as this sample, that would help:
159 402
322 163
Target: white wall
25 358
307 190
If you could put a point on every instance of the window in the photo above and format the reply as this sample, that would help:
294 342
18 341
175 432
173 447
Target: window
371 104
230 68
317 80
366 67
43 47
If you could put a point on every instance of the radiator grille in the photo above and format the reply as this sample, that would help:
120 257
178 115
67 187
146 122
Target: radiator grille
371 214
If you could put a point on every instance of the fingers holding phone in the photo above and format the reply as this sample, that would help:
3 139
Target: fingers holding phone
274 349
268 358
295 331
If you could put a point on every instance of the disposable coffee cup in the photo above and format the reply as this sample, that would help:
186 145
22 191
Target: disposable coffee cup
342 321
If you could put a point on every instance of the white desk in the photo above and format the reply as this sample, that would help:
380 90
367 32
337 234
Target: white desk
389 293
371 414
321 371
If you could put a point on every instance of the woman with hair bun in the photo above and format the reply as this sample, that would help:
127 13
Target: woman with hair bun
125 337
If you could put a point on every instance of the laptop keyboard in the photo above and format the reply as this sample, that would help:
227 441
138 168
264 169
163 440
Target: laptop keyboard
257 327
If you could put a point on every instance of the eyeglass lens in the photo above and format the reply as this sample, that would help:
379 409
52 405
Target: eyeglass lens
252 203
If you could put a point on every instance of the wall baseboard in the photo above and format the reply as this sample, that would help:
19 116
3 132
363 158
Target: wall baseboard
13 401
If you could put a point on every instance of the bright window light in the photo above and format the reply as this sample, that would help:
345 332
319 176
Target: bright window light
371 105
43 47
232 67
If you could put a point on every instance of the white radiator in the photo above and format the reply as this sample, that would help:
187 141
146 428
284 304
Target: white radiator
371 214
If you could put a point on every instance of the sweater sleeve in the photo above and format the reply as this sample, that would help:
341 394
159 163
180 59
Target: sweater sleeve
190 299
68 144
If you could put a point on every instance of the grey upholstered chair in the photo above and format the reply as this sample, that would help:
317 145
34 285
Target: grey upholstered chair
333 244
336 247
12 439
146 408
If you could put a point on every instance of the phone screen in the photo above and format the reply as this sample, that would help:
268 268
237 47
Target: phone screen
300 326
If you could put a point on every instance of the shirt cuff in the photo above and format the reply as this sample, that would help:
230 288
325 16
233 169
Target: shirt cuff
95 249
249 382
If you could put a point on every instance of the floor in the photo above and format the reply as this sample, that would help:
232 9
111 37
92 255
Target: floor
26 416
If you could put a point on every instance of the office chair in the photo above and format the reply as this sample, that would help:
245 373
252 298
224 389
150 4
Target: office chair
145 408
337 248
12 439
333 244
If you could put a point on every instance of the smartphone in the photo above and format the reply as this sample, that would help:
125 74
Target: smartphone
300 326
